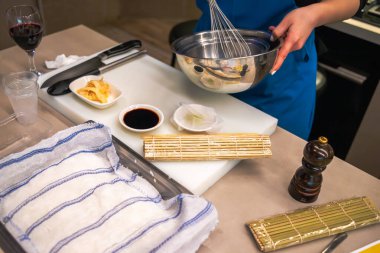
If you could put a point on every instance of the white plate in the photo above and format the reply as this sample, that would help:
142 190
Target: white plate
81 82
195 117
152 108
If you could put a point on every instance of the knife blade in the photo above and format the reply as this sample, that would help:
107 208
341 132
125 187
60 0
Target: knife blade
91 64
62 87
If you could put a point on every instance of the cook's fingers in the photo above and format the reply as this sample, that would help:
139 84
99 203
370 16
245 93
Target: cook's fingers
272 37
281 55
281 29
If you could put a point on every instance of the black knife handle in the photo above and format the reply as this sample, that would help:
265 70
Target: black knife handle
120 49
335 242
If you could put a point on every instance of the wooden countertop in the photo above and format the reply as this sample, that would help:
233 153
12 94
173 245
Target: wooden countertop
253 189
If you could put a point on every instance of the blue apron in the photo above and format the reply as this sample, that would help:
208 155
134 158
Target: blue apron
289 95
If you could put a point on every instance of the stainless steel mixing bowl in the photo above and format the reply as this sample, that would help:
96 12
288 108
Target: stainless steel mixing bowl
194 55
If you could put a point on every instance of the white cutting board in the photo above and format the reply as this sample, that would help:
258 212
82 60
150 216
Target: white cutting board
149 81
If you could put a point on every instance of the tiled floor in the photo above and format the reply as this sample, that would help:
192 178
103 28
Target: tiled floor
153 32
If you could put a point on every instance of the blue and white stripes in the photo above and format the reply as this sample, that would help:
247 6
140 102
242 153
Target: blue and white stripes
74 201
37 172
34 152
70 194
53 185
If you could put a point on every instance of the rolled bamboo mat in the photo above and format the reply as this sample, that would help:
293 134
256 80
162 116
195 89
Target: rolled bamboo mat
196 147
303 225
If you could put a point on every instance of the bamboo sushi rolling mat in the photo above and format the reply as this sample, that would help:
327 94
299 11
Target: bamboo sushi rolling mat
206 147
303 225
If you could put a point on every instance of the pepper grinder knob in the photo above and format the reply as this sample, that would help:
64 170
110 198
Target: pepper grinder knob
307 181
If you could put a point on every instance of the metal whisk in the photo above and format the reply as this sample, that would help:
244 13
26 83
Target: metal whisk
229 43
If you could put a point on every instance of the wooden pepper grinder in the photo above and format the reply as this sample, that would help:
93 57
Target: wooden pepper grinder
306 182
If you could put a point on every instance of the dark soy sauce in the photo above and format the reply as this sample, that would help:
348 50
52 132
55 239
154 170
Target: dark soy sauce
141 118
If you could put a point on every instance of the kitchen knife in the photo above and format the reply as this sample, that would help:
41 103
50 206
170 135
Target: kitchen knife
91 64
62 87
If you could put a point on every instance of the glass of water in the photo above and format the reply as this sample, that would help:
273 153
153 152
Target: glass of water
21 89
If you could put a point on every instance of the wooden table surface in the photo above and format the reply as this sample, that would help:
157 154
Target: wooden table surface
253 189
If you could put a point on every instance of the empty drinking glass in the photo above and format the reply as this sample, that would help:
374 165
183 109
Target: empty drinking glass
21 89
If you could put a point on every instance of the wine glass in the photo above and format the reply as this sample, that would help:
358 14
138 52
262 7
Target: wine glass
26 28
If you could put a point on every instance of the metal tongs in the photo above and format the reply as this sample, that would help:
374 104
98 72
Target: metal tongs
62 87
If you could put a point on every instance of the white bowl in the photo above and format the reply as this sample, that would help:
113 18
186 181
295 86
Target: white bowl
81 82
143 117
195 117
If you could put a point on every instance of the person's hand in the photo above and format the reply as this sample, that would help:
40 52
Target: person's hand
294 29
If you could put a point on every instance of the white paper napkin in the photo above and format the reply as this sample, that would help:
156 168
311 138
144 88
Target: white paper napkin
62 60
70 194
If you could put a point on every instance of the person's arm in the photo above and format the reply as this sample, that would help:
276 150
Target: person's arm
296 27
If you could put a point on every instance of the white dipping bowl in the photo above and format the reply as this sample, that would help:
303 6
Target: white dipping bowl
141 117
81 82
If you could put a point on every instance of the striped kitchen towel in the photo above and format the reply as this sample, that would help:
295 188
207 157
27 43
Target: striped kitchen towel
69 193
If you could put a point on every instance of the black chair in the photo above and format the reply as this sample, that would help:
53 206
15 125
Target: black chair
179 30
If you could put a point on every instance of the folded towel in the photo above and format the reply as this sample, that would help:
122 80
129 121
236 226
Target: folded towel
62 60
69 193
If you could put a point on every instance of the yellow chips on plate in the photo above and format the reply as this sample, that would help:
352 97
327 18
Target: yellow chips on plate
96 90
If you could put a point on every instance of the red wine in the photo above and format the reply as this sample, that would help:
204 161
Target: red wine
141 118
26 35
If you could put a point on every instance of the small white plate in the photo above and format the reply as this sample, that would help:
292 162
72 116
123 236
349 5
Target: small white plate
143 117
195 117
81 82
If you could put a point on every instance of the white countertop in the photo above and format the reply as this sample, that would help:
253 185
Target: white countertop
358 29
363 25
